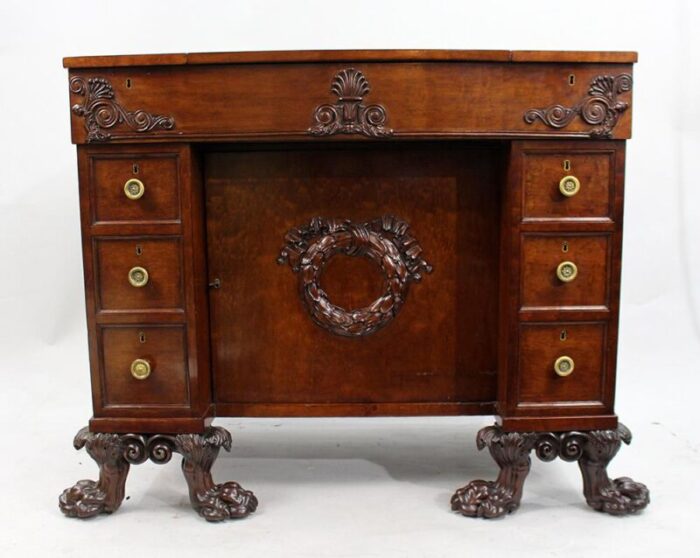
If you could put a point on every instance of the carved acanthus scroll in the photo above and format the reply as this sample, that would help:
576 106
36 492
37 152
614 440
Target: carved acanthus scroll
102 112
601 107
349 115
386 241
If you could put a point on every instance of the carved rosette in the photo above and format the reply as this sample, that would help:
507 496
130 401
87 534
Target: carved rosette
601 107
386 241
102 112
115 452
349 115
593 450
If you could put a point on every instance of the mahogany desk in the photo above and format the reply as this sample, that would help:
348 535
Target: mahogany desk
352 233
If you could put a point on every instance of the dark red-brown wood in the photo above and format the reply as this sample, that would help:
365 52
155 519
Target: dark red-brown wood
425 181
440 348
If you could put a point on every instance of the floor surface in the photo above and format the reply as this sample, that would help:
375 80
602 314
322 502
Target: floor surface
333 488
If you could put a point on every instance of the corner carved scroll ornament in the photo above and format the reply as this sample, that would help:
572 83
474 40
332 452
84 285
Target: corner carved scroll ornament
349 115
385 240
102 112
601 108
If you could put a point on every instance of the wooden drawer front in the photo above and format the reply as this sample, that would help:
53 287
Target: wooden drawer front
160 257
542 254
162 347
540 347
160 200
542 173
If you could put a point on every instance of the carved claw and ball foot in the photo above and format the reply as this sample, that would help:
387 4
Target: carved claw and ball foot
214 502
511 450
88 498
114 453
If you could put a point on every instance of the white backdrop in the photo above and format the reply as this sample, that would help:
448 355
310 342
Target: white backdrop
43 355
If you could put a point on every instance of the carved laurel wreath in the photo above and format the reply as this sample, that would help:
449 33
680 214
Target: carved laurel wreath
102 112
386 241
601 108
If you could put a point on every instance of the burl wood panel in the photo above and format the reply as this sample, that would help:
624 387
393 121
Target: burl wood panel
159 174
440 348
542 253
542 344
542 173
163 347
161 257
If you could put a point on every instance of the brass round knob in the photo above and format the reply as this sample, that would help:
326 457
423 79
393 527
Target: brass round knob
564 366
569 186
140 369
138 276
567 272
134 188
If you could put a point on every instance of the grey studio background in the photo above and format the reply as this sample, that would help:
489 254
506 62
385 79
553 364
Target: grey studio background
345 487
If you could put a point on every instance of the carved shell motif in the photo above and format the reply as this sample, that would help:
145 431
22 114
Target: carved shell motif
350 84
349 115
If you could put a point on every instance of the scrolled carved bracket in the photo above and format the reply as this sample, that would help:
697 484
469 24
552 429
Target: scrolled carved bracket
511 450
601 107
349 115
102 112
386 241
114 453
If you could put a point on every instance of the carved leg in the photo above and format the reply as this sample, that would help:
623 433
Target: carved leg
489 499
621 496
593 450
114 452
88 498
214 502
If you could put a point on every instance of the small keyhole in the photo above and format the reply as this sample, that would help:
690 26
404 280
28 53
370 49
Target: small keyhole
565 246
142 337
563 335
135 168
128 83
139 250
572 79
567 165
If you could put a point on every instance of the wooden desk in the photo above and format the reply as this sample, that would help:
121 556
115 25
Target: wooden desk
352 233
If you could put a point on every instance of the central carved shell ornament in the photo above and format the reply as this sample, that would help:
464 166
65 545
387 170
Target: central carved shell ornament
385 240
349 115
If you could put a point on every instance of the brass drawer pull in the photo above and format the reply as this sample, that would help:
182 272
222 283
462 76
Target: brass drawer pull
569 186
140 369
134 188
564 366
138 276
567 272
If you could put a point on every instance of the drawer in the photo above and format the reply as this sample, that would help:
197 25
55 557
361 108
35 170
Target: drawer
542 346
138 273
158 353
152 194
583 262
587 194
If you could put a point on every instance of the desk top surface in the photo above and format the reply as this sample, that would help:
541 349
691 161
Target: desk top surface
307 56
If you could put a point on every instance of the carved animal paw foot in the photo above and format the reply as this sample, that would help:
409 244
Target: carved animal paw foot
84 499
623 496
226 501
486 499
